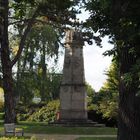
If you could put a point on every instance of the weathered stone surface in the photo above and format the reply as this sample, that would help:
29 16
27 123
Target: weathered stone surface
73 104
76 115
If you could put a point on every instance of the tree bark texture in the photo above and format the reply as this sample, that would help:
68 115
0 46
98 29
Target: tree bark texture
6 67
129 102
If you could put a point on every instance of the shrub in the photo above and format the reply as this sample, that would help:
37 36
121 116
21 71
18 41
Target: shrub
46 113
23 111
22 117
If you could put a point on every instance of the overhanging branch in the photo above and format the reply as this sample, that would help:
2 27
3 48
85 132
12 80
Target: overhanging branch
23 38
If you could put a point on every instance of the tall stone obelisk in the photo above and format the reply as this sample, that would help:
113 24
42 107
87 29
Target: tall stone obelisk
73 106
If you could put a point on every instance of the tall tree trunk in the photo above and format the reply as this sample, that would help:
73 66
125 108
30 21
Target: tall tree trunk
6 67
129 121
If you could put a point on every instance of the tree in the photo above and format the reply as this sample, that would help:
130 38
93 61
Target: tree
52 10
6 64
40 48
109 92
25 87
41 45
120 20
55 82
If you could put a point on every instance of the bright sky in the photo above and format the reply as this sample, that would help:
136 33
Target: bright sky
96 64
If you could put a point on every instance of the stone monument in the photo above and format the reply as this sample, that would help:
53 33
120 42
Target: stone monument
73 106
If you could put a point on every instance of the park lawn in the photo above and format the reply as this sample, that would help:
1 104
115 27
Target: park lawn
15 138
92 138
31 127
43 128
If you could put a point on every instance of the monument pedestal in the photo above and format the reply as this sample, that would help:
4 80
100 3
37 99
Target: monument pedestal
76 123
73 102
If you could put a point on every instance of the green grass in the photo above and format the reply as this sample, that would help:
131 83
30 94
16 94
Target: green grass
15 138
91 138
43 128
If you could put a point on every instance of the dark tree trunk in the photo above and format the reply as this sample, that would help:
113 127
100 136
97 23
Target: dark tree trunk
129 110
6 67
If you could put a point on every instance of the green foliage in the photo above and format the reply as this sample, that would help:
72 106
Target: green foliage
22 117
1 115
33 77
90 97
21 16
108 107
24 111
120 21
54 86
48 86
109 18
127 78
25 87
43 37
105 102
47 113
31 85
90 91
108 103
1 105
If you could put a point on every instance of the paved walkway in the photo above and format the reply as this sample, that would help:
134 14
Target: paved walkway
63 137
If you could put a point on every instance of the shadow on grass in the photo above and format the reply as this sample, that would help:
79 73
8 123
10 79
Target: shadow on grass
92 138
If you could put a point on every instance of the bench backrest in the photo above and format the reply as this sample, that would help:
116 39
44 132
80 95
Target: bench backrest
9 127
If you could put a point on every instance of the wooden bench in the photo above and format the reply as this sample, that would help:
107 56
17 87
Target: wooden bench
11 129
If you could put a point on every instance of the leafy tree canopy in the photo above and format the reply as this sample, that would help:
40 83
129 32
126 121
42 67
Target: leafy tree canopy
108 101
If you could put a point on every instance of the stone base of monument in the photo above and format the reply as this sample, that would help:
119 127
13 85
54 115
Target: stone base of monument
76 123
